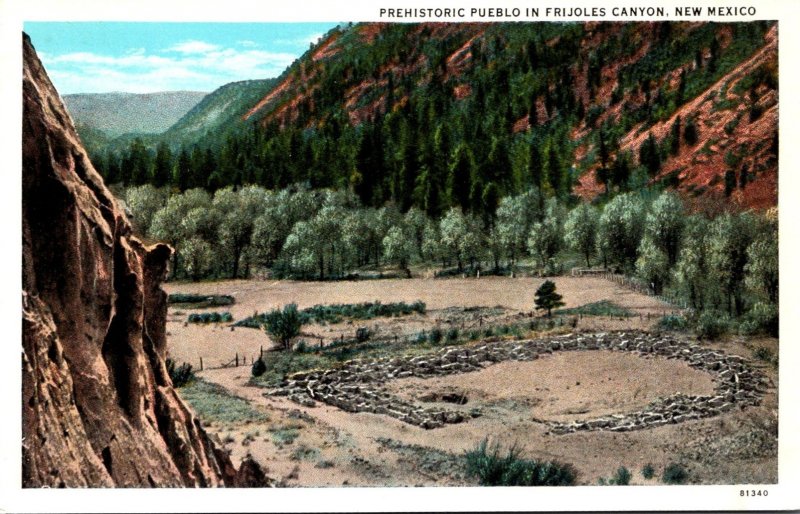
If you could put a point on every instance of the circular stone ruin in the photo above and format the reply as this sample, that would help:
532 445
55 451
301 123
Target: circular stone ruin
361 385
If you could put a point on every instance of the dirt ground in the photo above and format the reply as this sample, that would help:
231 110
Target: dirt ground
219 344
325 446
563 386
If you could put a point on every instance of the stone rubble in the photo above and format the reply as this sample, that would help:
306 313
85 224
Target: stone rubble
357 386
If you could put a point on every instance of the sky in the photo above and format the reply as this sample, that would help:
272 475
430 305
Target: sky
101 57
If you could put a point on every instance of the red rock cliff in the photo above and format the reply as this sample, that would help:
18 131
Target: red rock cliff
98 407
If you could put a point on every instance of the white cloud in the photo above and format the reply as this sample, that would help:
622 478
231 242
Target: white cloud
199 66
128 60
193 46
247 43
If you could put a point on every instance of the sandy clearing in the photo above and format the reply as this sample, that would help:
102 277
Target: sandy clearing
567 386
217 344
513 293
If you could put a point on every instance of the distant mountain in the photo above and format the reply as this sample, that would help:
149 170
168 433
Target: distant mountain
115 114
219 109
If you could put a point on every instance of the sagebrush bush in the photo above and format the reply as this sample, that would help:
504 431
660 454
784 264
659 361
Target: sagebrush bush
648 471
711 325
435 336
363 334
181 375
675 473
673 322
259 367
622 476
337 313
210 317
219 300
492 469
763 353
452 335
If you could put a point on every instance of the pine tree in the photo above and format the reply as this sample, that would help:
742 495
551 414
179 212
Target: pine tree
675 137
163 165
459 181
546 297
649 156
690 133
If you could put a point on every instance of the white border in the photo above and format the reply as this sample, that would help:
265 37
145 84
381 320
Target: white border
12 14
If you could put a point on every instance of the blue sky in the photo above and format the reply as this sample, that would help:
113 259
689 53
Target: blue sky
99 57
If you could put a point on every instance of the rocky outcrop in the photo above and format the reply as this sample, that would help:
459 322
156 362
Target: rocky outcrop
98 407
357 386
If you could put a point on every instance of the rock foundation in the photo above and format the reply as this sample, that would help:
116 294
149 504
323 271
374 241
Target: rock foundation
357 386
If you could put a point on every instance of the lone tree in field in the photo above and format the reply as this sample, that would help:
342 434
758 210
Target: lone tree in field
547 298
284 325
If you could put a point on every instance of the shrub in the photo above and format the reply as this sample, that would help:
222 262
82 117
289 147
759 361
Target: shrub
435 337
675 474
200 301
181 375
452 335
711 325
622 476
601 308
281 364
259 367
422 337
301 346
762 317
363 334
494 470
648 471
673 322
337 313
210 317
763 353
284 325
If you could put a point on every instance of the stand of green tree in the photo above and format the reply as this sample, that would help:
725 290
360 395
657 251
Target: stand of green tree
727 264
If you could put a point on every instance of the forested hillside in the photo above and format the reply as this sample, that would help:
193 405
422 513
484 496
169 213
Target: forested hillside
442 115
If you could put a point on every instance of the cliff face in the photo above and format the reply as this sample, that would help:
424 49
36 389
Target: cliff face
98 407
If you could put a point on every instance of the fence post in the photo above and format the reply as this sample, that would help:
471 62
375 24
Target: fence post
201 364
236 358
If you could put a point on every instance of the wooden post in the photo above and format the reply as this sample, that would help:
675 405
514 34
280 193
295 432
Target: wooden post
261 352
201 364
236 359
